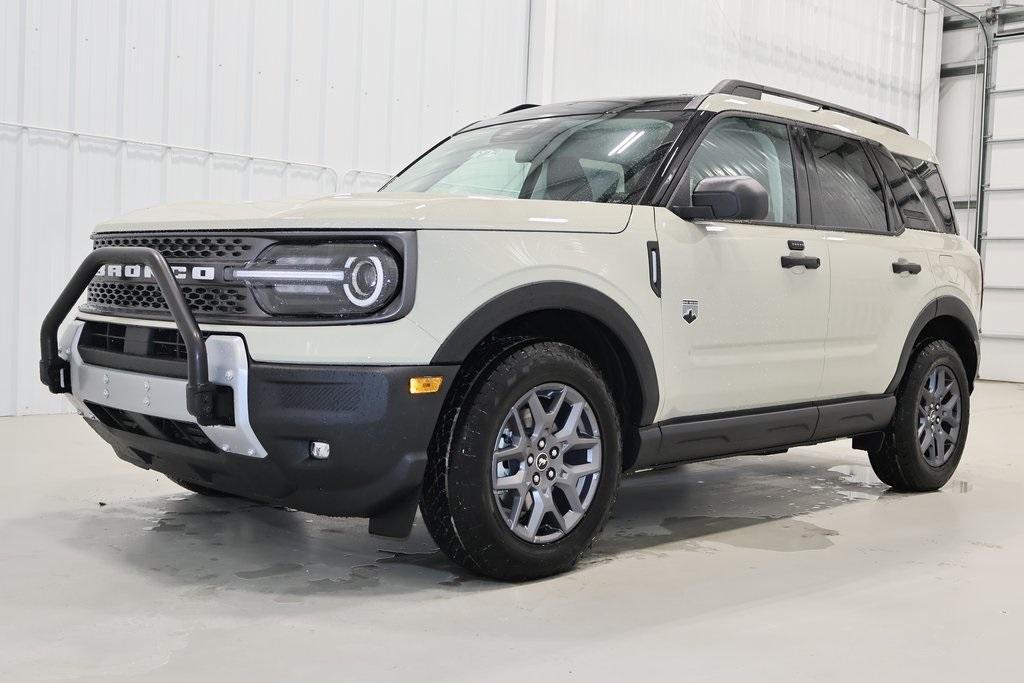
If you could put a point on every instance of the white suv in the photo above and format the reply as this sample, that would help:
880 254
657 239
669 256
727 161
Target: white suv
542 303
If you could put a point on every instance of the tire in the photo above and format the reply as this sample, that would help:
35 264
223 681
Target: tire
477 526
923 446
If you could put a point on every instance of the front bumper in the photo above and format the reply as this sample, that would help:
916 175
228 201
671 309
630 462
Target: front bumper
377 431
211 416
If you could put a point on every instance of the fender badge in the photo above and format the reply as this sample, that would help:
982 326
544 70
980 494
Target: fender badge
690 307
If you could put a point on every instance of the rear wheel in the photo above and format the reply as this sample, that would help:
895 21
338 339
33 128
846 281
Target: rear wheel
925 440
525 467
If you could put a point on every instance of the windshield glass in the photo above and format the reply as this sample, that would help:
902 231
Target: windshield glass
569 158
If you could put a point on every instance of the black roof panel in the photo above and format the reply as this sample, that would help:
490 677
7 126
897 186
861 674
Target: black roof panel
583 107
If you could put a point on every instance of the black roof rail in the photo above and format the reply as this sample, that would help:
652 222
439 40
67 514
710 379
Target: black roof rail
519 107
754 91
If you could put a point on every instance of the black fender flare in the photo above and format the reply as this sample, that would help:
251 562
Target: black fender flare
556 295
944 306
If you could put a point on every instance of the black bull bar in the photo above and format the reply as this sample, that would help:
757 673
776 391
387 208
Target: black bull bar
55 372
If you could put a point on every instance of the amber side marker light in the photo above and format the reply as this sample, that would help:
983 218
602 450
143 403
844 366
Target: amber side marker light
425 385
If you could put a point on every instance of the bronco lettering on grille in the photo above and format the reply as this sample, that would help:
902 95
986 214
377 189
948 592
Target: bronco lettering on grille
139 272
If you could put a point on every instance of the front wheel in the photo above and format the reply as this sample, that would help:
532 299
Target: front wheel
925 440
524 469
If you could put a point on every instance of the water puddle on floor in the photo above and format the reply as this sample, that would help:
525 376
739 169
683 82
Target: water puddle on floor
784 534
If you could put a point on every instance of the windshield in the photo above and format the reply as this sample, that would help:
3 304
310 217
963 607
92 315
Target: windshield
568 158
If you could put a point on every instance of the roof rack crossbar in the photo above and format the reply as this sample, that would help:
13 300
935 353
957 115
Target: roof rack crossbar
755 91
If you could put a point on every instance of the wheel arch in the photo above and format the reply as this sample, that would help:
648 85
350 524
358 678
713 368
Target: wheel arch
580 316
950 319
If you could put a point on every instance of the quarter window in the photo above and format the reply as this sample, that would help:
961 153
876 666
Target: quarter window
915 214
851 195
926 180
747 147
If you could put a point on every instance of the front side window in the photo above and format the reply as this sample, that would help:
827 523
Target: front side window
851 195
569 158
747 147
926 180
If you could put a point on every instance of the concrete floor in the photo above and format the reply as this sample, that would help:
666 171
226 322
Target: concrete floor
787 567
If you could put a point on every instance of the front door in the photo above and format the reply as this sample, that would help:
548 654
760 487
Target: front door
745 305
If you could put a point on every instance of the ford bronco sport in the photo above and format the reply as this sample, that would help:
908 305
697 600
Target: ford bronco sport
541 303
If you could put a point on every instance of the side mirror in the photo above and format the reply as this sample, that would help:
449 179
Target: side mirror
737 198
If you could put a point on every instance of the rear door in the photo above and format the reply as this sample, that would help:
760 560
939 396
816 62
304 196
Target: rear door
744 321
881 277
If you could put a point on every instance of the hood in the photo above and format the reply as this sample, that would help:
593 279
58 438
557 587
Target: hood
380 211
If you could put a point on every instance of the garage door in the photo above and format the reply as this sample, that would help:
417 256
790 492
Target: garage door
1002 320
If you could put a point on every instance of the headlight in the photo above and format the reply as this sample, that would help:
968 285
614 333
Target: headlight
337 279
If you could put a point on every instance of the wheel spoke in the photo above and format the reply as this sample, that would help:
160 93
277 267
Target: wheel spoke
572 422
572 496
926 441
940 443
562 522
536 515
517 510
949 406
512 482
577 472
540 417
556 408
581 442
517 452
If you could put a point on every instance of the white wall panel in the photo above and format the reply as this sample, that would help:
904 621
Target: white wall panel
957 142
335 84
864 54
55 188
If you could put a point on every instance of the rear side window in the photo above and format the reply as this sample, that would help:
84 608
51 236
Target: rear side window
851 195
915 215
748 147
926 180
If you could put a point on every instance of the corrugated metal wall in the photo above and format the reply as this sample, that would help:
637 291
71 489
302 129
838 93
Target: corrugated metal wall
327 85
865 54
324 86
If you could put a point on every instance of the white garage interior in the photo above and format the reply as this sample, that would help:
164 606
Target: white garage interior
797 566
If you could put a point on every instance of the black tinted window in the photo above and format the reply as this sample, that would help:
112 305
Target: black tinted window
925 177
851 195
748 147
915 215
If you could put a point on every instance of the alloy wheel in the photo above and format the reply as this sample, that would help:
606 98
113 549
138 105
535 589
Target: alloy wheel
546 463
938 416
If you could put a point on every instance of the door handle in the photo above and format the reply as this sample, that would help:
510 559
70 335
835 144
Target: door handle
809 262
902 266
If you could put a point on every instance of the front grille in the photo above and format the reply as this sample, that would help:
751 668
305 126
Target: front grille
200 298
212 296
180 247
175 431
105 336
168 344
151 342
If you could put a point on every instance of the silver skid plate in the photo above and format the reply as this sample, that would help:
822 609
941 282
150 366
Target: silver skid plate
165 396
